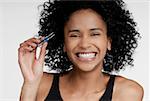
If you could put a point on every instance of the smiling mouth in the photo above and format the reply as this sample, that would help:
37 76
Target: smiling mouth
86 55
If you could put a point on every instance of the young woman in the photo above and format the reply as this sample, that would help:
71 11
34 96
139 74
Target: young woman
91 40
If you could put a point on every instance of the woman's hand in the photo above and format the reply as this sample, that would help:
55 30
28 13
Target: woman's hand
31 67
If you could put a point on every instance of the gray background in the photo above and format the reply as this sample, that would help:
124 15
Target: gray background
19 21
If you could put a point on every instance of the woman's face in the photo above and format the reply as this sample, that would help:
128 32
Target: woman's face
86 40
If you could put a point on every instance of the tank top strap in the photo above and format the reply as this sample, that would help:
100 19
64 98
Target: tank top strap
54 93
107 96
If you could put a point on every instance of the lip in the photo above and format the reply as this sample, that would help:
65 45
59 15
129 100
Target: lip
86 56
86 53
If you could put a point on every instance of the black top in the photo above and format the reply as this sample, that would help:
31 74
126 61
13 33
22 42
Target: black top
54 93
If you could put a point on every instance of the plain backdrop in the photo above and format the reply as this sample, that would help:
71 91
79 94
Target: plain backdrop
19 21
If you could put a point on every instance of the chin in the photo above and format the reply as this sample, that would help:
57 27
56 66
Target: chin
87 67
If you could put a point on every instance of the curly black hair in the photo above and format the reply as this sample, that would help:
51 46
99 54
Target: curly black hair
121 28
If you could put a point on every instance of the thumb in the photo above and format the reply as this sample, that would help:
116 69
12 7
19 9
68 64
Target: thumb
43 52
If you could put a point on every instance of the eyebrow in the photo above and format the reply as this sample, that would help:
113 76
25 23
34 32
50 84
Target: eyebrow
96 29
92 29
73 30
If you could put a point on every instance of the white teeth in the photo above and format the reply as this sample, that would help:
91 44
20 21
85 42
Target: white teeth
86 55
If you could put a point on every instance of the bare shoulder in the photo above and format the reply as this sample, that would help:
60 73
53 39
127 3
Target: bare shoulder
128 90
44 86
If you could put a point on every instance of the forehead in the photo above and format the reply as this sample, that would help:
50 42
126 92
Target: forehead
85 11
85 17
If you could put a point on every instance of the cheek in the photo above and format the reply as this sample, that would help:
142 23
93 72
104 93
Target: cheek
70 49
70 45
102 46
101 43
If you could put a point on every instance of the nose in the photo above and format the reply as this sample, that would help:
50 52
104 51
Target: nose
84 42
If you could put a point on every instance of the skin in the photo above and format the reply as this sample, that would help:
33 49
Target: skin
85 32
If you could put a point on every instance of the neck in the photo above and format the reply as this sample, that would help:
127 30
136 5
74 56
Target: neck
87 81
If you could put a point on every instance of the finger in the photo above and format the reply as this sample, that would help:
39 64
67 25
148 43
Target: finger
25 49
35 40
21 44
28 49
29 41
31 44
43 51
19 53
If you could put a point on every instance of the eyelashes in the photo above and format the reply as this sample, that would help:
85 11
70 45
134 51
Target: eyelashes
78 35
74 35
95 34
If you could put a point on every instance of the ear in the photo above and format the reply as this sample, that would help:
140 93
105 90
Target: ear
109 43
